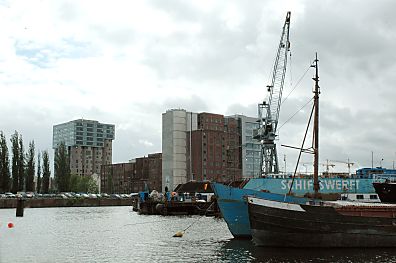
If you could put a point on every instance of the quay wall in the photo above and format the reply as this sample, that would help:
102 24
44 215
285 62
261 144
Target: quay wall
72 202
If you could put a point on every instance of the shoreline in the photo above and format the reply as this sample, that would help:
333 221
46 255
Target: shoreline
71 202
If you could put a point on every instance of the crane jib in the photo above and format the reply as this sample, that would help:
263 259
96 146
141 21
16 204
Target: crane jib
268 112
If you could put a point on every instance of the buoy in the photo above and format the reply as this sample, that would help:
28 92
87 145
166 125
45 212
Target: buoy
10 225
179 234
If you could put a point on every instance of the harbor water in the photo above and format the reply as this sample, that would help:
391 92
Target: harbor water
117 234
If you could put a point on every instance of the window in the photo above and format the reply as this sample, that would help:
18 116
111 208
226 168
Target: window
359 197
373 197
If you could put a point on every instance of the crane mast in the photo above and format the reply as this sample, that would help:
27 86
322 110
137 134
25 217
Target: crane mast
268 112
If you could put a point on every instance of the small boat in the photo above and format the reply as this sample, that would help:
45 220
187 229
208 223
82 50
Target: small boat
321 223
386 190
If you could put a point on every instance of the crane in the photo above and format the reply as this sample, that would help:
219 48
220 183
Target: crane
268 111
348 163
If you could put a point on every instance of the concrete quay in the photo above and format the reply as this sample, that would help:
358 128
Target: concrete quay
71 202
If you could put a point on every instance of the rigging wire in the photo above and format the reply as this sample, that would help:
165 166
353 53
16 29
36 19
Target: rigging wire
295 86
295 114
290 70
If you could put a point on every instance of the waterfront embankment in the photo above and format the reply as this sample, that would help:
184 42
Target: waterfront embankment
71 202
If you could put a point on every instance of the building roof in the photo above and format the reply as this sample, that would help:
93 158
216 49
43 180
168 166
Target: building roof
194 187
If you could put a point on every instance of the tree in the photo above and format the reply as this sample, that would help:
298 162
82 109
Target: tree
4 165
30 168
15 159
84 184
21 166
38 188
62 168
46 173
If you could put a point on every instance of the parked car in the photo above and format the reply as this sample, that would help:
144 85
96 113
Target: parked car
92 196
104 195
115 196
63 196
9 195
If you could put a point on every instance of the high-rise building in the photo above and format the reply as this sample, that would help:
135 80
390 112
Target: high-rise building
207 146
215 149
89 144
175 124
250 148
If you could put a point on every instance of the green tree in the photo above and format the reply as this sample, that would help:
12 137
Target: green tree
38 189
4 165
15 159
30 167
62 168
84 184
46 173
21 166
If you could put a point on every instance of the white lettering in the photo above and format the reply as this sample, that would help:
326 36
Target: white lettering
351 185
329 184
338 185
283 183
345 185
298 185
357 185
310 184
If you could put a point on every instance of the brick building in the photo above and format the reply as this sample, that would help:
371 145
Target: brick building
215 151
137 175
207 146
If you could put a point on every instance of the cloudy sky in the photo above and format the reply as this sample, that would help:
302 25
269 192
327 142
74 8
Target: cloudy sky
127 62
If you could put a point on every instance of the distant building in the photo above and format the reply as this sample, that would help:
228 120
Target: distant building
250 148
207 146
139 174
89 144
215 149
175 124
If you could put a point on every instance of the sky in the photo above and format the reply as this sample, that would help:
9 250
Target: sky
127 62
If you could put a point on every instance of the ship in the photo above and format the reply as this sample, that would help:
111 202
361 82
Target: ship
232 199
386 190
232 202
321 223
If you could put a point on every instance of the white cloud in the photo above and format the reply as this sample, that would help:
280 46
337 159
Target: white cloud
126 62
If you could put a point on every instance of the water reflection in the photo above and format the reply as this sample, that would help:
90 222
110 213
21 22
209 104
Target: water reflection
244 251
115 234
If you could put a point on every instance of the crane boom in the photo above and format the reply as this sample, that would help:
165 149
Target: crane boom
268 112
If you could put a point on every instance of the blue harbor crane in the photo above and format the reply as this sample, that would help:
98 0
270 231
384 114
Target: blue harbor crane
268 111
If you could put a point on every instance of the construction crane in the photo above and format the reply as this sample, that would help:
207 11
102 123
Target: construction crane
348 163
327 165
268 111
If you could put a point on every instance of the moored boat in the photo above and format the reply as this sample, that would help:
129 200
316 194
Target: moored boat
386 190
232 202
322 224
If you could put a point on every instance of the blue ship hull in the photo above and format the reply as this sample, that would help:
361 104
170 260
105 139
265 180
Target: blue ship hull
233 205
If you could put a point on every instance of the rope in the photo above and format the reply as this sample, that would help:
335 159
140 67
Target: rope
295 113
141 223
295 86
199 217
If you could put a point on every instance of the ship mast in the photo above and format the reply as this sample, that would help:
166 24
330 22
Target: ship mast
316 128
